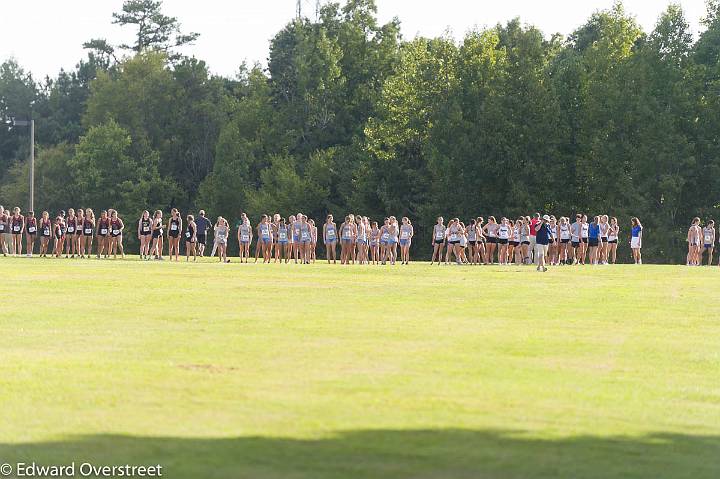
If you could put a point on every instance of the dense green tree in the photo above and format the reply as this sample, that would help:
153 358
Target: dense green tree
104 167
348 117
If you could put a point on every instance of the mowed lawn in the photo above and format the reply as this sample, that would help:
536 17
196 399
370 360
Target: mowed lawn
291 371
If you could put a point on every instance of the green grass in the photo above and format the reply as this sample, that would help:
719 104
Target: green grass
290 371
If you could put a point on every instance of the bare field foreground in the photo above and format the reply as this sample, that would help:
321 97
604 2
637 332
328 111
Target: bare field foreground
326 371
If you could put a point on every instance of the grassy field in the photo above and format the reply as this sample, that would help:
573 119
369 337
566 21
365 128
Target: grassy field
290 371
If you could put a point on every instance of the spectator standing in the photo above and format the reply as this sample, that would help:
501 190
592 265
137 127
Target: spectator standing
203 225
542 240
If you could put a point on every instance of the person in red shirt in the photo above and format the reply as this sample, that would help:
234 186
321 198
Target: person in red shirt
533 222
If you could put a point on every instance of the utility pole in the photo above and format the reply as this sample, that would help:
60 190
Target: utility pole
298 9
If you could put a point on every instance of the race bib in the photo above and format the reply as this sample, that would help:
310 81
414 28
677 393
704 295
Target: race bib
282 235
173 227
31 229
46 232
404 235
2 228
244 237
385 236
453 237
16 228
88 231
331 234
708 239
305 236
439 235
188 235
116 232
103 231
71 229
146 229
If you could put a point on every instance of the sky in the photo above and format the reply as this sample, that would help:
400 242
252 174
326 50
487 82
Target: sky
47 35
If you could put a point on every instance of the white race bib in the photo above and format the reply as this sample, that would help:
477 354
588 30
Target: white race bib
31 229
173 227
244 237
103 231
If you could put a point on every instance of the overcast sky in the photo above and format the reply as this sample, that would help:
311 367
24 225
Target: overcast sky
46 35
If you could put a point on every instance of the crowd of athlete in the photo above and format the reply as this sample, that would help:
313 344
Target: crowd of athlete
78 233
515 241
701 239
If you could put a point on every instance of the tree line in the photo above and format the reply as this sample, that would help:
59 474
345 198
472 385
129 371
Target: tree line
348 116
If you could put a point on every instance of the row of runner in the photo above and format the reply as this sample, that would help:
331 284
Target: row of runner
77 232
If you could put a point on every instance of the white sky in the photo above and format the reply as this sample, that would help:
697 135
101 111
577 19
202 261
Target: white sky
45 35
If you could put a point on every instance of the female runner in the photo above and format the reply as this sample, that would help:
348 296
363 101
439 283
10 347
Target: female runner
594 239
604 231
289 246
482 241
158 235
313 239
30 232
191 238
102 231
406 234
553 240
511 241
584 238
244 235
78 238
4 231
45 233
564 236
693 239
374 243
438 241
88 229
71 228
274 228
264 238
59 231
361 240
116 230
636 240
490 230
709 240
453 240
347 233
503 236
17 227
463 243
472 240
330 239
296 236
517 230
305 240
282 244
144 233
613 234
384 238
222 230
174 227
394 237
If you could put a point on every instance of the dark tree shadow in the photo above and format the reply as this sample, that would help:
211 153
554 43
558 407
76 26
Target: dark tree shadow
374 454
